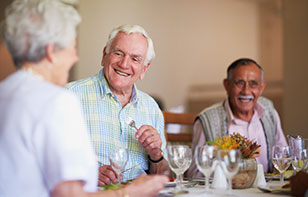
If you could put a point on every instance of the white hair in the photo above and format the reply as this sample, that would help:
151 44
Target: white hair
128 29
32 24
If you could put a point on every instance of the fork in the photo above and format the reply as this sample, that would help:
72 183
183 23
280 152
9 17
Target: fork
131 123
134 166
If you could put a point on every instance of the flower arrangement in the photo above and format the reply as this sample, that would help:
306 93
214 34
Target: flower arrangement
248 148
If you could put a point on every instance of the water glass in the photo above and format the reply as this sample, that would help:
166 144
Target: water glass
179 160
230 163
305 143
281 158
118 159
299 160
205 158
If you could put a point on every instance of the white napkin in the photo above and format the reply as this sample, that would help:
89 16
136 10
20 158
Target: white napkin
260 179
220 180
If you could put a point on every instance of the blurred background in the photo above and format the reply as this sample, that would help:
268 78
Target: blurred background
195 41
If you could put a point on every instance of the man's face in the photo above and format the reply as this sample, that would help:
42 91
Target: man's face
124 64
244 89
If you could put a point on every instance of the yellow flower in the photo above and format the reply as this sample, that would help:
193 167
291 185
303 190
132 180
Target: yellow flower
226 142
248 148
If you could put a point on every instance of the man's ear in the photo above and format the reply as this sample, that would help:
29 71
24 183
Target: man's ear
145 68
262 86
103 57
50 53
226 84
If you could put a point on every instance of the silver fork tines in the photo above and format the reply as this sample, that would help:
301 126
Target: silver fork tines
131 123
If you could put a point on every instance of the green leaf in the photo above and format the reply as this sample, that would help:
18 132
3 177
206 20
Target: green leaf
111 186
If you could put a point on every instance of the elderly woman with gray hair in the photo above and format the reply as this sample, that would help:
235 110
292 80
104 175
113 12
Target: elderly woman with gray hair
45 149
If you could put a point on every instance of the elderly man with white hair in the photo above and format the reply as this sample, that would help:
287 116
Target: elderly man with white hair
111 97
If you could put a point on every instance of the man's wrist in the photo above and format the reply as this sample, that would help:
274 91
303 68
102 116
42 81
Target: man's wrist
155 161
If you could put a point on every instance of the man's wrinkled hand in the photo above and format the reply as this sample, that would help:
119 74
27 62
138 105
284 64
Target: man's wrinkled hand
149 138
107 175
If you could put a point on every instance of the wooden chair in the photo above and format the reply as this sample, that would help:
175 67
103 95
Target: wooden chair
179 118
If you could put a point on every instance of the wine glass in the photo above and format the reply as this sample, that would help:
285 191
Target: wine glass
299 159
205 157
281 158
230 163
179 160
118 159
305 143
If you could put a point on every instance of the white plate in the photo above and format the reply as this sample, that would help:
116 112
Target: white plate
287 175
173 183
275 189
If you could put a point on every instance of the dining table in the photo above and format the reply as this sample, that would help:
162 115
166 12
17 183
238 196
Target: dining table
193 188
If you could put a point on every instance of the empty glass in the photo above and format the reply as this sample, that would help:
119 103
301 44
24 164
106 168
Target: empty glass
179 160
281 158
305 143
305 146
230 163
205 157
299 159
118 159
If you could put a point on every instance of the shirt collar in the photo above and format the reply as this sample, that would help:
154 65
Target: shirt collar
259 110
105 89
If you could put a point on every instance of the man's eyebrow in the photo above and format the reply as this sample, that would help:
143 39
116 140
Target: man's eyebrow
137 56
116 49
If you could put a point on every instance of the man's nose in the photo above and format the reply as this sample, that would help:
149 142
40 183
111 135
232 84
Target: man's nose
124 61
246 87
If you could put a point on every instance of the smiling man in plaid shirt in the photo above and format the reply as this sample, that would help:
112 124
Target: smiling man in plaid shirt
109 98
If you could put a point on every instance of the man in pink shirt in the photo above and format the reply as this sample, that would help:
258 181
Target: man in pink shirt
244 112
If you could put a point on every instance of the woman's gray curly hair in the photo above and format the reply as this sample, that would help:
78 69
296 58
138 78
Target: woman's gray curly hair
30 25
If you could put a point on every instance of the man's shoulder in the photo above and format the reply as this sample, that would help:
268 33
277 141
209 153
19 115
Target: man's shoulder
215 108
265 102
147 102
145 98
83 83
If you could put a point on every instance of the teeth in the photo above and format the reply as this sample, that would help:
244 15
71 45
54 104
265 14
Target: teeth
246 97
120 73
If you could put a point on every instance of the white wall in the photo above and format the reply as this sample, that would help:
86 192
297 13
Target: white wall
195 40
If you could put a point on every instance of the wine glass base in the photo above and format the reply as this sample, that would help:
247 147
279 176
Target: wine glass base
230 194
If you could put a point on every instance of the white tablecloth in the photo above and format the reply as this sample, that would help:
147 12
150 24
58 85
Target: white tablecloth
200 191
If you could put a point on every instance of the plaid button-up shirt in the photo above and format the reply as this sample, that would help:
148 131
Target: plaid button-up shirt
106 121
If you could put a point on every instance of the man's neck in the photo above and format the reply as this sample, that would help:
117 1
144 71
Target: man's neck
244 116
123 96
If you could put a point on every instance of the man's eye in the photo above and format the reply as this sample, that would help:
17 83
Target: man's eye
239 82
253 83
136 60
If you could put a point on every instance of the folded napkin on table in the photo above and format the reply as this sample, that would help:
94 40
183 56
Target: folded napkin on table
260 179
220 180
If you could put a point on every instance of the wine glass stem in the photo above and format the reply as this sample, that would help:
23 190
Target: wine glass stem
179 182
281 178
230 185
118 179
207 184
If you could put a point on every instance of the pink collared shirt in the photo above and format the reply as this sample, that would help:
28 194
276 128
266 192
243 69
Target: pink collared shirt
253 130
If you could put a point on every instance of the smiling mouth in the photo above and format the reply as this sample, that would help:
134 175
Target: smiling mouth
121 73
245 98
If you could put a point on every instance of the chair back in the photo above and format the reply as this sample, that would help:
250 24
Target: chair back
182 119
